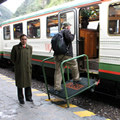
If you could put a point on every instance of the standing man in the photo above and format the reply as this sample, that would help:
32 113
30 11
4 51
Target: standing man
68 38
21 56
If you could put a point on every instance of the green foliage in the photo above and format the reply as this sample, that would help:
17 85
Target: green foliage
54 3
29 6
34 5
87 12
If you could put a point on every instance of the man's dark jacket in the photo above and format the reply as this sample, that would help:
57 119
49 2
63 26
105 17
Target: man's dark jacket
68 37
21 58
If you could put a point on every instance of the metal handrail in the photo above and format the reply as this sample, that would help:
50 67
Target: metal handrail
62 72
44 74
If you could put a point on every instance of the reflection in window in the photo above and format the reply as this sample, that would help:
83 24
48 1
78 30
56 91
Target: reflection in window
114 18
89 17
33 28
6 32
52 25
68 17
18 30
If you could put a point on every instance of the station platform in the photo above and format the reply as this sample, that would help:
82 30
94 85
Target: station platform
40 109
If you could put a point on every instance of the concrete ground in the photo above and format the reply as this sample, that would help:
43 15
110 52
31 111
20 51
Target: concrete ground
40 109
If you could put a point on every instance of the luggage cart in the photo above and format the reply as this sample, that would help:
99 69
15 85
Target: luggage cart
69 89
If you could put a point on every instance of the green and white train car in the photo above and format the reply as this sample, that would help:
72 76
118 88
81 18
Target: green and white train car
96 27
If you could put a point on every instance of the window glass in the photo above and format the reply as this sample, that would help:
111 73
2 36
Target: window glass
33 28
89 17
18 30
52 25
114 19
6 32
68 17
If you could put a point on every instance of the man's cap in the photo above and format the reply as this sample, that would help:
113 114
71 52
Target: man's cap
65 24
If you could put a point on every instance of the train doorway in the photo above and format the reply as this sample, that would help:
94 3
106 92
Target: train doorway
89 36
71 17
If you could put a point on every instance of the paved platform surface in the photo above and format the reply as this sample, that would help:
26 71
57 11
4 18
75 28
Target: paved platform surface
40 109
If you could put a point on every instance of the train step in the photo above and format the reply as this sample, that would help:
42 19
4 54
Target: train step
73 89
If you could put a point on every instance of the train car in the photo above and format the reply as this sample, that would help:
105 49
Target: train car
96 27
0 42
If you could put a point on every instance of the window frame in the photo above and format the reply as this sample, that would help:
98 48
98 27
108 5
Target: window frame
39 28
4 32
109 20
14 32
47 24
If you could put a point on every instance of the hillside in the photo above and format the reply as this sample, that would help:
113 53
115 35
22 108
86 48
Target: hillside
34 5
4 13
29 6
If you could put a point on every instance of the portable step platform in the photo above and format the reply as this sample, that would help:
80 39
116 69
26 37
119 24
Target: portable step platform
69 89
73 89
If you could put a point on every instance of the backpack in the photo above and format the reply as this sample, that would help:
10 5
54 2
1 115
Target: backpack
58 44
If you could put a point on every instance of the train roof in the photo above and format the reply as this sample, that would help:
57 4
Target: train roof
51 10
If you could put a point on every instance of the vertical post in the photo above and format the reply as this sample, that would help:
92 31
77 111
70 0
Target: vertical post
88 71
44 74
63 78
68 73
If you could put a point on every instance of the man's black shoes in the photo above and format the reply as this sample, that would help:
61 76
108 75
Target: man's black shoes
77 82
22 102
59 91
29 100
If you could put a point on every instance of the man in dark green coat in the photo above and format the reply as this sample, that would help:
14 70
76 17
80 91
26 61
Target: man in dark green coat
21 56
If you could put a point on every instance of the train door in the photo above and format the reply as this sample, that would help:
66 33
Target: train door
69 16
89 36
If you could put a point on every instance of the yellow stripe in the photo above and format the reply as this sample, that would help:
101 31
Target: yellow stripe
41 94
84 113
8 78
4 76
70 105
33 90
54 100
107 119
10 81
62 105
13 83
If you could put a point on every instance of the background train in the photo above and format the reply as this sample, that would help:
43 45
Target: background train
96 27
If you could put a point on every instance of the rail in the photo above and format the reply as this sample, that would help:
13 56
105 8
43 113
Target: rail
44 74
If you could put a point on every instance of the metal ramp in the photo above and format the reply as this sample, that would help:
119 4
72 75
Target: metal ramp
69 89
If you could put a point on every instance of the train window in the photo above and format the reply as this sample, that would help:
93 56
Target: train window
6 32
18 30
89 17
33 28
52 25
68 17
114 19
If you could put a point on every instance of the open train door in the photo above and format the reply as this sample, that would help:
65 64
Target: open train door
70 16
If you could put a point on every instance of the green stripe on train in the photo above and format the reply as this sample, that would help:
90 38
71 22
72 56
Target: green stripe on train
109 67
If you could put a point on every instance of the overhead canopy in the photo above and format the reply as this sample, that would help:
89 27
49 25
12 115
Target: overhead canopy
1 1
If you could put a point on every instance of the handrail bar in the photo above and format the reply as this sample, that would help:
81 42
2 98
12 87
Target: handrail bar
44 74
62 72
